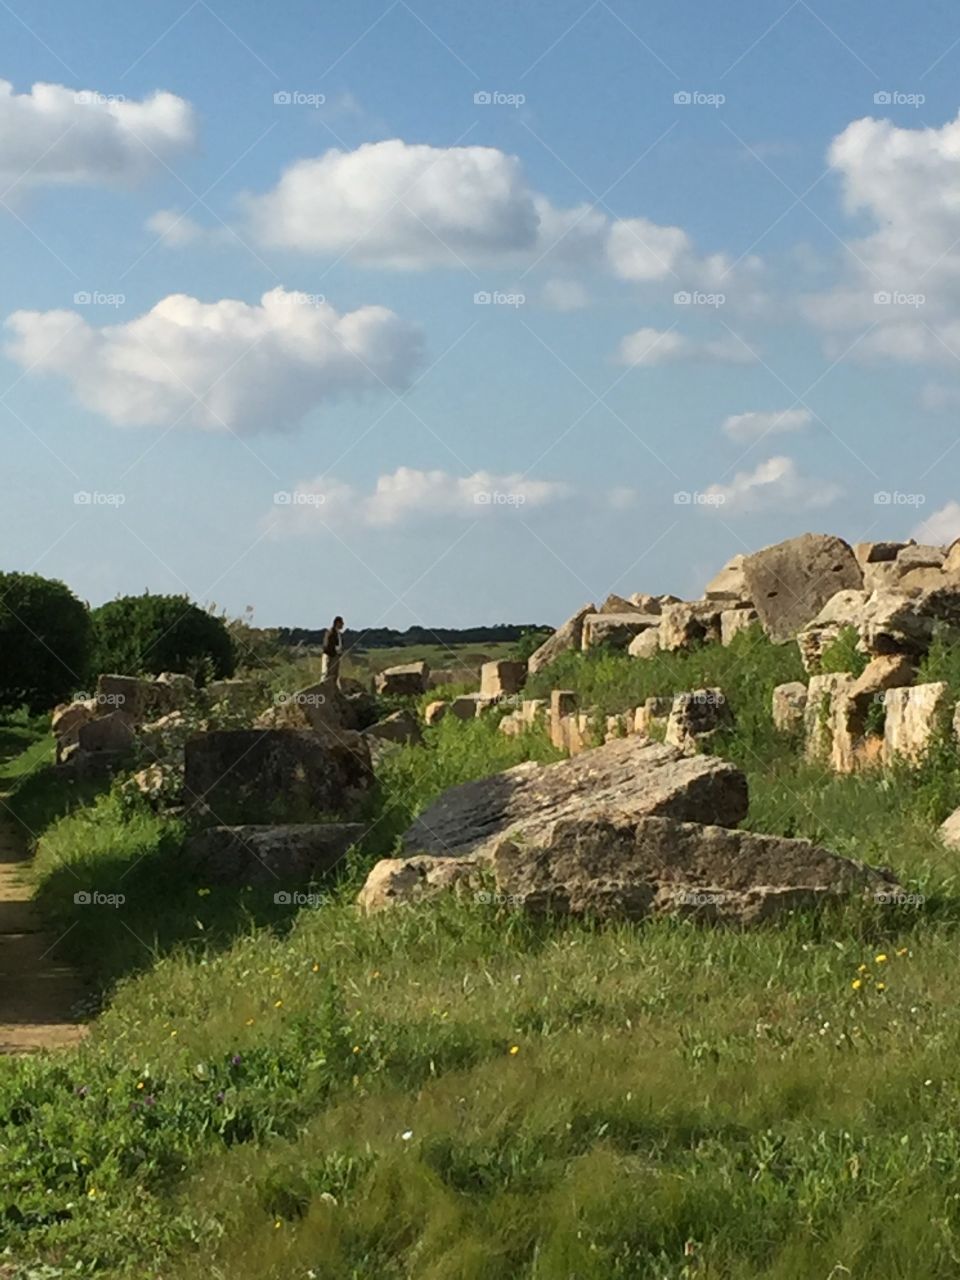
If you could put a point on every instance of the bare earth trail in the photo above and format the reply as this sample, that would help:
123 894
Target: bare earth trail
37 994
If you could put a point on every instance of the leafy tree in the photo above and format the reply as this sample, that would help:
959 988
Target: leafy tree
45 642
147 634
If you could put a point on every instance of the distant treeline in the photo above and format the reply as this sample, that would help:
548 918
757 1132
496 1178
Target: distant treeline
388 638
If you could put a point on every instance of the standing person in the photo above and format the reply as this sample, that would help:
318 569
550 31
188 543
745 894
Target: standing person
332 651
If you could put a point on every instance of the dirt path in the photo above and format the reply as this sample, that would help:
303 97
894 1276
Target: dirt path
37 995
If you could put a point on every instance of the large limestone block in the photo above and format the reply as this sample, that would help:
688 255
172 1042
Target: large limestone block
843 609
823 692
914 716
615 630
620 868
789 583
128 694
565 638
407 680
628 776
687 624
789 701
695 717
502 679
281 856
876 552
407 881
733 621
619 604
919 556
262 775
729 584
646 644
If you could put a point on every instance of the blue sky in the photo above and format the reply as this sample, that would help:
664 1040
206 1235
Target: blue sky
242 353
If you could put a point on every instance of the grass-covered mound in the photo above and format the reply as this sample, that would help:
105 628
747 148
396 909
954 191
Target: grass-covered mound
461 1093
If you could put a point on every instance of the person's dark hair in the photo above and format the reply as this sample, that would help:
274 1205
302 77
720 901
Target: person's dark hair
338 621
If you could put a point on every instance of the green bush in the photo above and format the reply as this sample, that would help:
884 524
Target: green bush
148 634
45 640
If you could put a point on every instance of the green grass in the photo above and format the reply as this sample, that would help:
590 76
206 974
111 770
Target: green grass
326 1095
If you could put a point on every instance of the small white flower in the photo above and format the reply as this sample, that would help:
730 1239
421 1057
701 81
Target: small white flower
407 1135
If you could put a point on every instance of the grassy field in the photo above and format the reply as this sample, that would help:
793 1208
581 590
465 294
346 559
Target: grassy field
459 1093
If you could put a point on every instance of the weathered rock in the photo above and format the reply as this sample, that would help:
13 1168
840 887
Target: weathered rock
789 701
876 552
408 680
628 776
512 725
645 603
171 691
615 630
111 734
951 562
891 671
262 775
319 706
696 717
733 621
400 727
466 707
646 644
918 556
617 726
502 679
66 722
729 585
885 575
618 604
950 830
627 869
565 638
396 881
842 610
818 713
684 625
534 710
789 583
284 855
924 578
914 716
434 712
128 694
653 715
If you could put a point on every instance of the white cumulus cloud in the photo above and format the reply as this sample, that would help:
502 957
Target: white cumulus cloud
409 495
776 483
752 426
940 528
220 365
56 135
412 206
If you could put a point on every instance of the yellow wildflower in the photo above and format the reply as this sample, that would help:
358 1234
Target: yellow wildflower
856 984
278 1004
881 958
862 968
514 1049
881 986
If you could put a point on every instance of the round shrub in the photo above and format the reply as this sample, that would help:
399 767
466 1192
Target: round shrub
144 635
45 642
